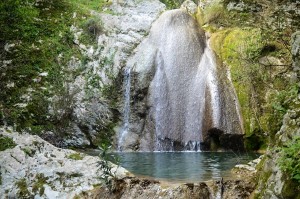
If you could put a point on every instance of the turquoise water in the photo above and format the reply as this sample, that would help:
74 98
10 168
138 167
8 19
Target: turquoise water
184 166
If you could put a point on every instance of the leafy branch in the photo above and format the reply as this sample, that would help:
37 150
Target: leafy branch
108 175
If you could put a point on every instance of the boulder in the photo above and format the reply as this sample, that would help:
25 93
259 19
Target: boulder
36 169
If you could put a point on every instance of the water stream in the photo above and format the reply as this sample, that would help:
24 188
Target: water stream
126 112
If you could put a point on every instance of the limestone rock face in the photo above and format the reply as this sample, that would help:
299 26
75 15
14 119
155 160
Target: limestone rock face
273 182
124 26
35 168
296 52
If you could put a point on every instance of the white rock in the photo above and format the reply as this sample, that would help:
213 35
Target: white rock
8 47
43 74
33 158
244 166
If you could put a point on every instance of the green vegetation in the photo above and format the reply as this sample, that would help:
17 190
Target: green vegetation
75 156
173 4
108 176
38 186
6 143
212 13
259 59
289 160
38 32
97 5
37 46
93 27
28 151
23 188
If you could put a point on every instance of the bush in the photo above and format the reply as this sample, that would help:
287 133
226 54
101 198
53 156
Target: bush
289 160
108 176
213 13
17 19
6 143
93 28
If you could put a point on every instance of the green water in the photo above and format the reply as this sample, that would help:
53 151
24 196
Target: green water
184 166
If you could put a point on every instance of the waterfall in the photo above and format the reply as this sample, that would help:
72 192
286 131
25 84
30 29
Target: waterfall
188 96
199 93
126 111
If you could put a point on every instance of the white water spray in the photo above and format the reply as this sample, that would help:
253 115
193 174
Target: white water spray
126 111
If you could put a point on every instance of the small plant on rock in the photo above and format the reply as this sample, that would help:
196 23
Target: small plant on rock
23 191
6 143
75 156
108 176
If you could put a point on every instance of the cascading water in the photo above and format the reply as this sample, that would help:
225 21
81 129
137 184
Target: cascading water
198 93
188 99
126 112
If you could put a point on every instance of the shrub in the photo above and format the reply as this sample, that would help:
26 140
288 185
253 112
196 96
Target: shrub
108 176
92 27
23 189
38 186
6 143
214 12
289 160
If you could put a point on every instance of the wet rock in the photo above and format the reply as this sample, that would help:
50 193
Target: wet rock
177 96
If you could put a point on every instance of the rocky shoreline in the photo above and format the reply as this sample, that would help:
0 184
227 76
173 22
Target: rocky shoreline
33 168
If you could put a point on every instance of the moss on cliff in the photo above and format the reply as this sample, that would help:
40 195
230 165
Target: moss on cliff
33 73
238 48
258 59
266 84
38 52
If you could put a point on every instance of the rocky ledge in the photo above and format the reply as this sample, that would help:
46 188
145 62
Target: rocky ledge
32 168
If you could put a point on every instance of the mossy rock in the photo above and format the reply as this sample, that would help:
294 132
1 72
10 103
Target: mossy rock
75 156
290 190
232 46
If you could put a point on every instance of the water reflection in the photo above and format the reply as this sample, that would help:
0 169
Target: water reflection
183 166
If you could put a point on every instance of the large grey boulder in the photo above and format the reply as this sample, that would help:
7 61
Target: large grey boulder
36 169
